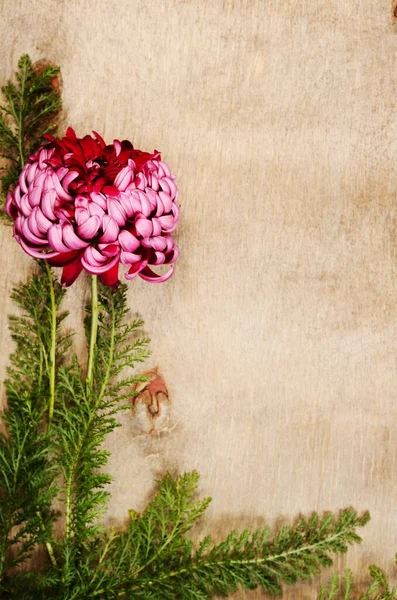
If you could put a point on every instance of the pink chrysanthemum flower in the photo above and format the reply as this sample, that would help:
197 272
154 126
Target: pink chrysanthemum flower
80 204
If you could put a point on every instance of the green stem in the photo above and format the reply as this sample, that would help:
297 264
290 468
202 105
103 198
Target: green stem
94 331
52 361
21 132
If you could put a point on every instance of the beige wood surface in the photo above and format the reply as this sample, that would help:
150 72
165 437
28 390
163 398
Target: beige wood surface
278 334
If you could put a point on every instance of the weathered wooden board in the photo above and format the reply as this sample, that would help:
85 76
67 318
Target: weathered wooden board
277 335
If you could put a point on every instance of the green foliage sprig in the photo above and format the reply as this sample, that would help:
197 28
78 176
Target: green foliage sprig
344 588
153 556
30 107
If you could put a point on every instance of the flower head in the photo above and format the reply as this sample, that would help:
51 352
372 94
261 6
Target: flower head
82 204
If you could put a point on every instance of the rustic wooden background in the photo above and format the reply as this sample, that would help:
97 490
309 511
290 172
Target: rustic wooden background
277 335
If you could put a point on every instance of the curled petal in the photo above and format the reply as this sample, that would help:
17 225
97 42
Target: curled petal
48 203
171 185
81 215
61 193
109 249
55 239
166 200
35 196
129 258
42 222
135 269
35 252
128 241
110 230
31 172
160 258
116 211
172 256
123 179
31 237
71 239
95 263
144 227
89 229
148 275
167 223
9 203
99 199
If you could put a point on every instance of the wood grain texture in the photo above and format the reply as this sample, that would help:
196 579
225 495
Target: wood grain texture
278 334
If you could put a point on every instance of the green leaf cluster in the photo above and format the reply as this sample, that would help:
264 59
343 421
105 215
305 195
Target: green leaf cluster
344 588
63 461
29 109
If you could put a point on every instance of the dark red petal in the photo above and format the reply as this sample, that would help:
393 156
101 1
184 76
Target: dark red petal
70 133
110 190
64 258
71 272
141 158
111 277
100 139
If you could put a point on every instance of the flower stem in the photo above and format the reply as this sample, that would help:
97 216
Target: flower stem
94 331
52 361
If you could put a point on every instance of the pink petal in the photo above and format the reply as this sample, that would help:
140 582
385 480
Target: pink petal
144 227
89 229
61 193
71 176
157 243
71 239
167 223
36 253
81 215
156 226
134 270
32 222
35 196
30 236
148 275
47 204
123 179
31 172
110 230
167 201
99 199
55 239
160 258
109 249
93 266
171 184
42 222
9 202
172 256
22 181
128 241
116 211
117 147
129 258
95 209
